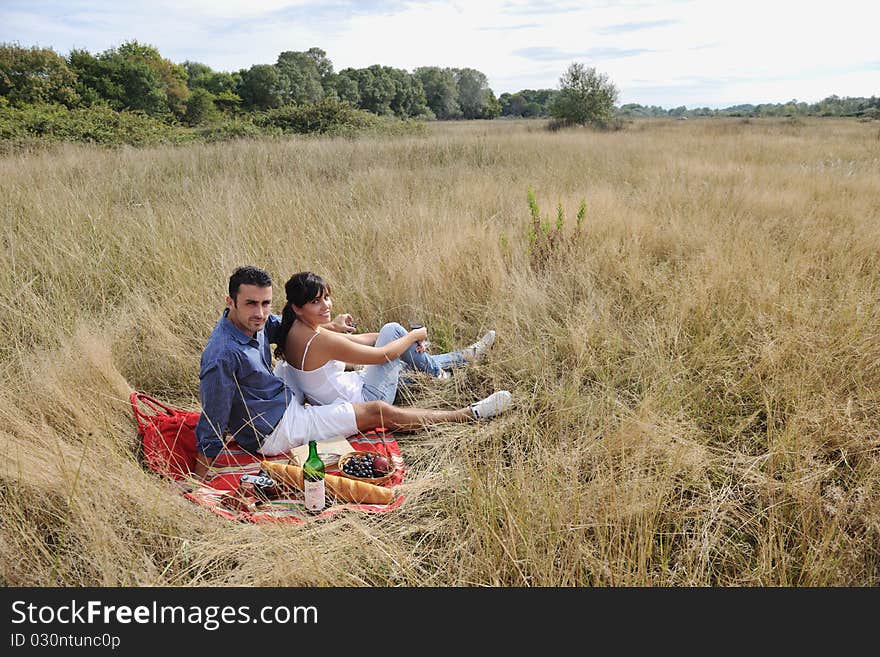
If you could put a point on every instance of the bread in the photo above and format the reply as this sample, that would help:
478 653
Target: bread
345 489
292 475
359 491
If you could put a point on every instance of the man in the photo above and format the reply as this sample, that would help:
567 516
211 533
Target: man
241 396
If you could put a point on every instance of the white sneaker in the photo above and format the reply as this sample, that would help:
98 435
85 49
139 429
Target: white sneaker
444 374
494 404
479 348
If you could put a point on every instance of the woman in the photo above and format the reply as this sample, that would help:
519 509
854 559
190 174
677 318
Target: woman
316 359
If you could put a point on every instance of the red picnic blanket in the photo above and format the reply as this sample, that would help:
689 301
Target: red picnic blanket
169 445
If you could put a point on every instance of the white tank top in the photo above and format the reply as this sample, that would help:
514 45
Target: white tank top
329 383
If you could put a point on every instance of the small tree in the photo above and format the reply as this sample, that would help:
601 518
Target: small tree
585 97
200 107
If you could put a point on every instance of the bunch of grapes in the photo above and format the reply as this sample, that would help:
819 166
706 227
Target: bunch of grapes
364 465
359 466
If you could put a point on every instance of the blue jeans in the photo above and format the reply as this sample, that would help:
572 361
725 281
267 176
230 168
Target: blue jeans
381 381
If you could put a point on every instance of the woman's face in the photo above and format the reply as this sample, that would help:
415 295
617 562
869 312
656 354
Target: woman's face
316 311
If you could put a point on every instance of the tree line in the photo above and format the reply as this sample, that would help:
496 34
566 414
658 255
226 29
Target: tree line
135 77
830 106
538 103
131 94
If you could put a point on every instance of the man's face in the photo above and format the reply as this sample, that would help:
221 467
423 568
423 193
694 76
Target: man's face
251 308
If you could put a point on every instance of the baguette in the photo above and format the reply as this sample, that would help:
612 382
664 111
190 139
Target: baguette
292 475
359 491
345 489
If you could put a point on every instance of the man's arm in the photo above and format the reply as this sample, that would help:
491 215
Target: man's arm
216 390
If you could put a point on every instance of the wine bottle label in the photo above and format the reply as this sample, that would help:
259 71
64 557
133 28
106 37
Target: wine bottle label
314 495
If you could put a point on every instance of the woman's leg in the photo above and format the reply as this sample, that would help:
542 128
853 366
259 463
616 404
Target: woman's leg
448 360
413 359
434 364
370 415
381 381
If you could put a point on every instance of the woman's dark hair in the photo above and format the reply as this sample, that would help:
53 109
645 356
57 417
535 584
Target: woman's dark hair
299 290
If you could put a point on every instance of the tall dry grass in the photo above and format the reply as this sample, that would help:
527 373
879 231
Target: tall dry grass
697 377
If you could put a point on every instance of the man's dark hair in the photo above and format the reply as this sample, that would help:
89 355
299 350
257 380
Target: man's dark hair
248 276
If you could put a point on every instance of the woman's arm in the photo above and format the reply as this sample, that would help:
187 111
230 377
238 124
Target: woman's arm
368 339
343 323
340 347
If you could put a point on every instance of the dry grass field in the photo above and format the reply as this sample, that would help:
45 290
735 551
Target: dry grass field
697 371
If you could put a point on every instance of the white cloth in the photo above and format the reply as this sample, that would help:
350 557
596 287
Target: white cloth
325 385
300 424
285 372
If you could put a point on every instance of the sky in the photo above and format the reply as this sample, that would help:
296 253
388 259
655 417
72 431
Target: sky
696 53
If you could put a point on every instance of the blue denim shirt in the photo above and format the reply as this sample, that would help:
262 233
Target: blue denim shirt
238 391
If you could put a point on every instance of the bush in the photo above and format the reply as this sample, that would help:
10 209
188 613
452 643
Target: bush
97 125
547 241
327 116
30 125
397 127
234 129
200 107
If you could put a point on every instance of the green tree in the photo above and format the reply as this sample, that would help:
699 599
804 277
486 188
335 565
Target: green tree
260 87
200 107
227 101
132 76
197 74
221 85
527 103
383 90
36 75
441 91
201 76
511 104
325 70
87 70
172 77
541 97
346 88
299 78
470 91
475 99
518 105
584 97
409 95
361 84
491 106
118 82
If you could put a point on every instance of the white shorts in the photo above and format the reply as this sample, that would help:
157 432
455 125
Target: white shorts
300 424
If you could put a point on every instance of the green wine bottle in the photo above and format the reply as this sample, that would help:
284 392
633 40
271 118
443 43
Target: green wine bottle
313 480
